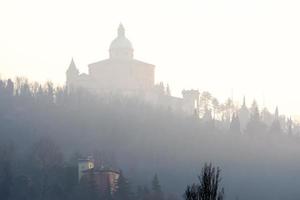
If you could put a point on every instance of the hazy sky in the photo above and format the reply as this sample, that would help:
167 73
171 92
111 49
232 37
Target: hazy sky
228 47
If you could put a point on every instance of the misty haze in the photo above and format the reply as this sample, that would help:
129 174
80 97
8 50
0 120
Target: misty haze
122 127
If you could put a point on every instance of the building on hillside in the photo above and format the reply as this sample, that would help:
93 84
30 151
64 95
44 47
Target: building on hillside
122 74
85 164
106 179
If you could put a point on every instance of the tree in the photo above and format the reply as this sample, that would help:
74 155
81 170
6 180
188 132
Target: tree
216 107
22 188
191 192
266 116
156 189
254 111
123 188
139 193
290 126
229 108
47 162
208 187
255 126
146 193
6 174
235 126
244 115
88 188
275 128
205 101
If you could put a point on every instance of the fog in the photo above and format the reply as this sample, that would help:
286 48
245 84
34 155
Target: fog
192 100
259 162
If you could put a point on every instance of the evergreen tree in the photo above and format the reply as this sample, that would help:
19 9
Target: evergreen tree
6 174
139 193
254 112
255 126
275 128
156 189
244 115
123 188
146 193
107 193
46 161
235 127
22 189
290 126
88 187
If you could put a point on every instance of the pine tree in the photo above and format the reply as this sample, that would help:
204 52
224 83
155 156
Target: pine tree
156 189
123 188
275 128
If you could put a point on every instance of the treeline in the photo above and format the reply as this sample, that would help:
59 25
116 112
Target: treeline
240 116
21 94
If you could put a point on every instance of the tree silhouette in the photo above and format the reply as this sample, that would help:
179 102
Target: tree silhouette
88 188
255 126
47 161
235 127
275 127
208 187
123 188
156 188
6 173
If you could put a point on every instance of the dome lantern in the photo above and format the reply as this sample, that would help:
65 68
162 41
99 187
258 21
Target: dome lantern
121 31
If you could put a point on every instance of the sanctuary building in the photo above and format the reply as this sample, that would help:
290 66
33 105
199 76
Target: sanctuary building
122 74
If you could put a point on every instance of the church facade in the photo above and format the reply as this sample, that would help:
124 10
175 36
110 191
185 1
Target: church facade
122 74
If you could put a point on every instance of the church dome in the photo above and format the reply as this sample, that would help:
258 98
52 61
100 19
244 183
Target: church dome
120 43
121 47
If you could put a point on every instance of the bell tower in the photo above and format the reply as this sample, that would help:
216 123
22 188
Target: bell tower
72 75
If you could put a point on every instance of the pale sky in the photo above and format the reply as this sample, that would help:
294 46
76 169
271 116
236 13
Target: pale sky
227 47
